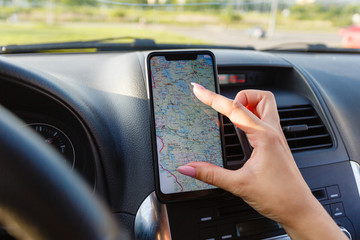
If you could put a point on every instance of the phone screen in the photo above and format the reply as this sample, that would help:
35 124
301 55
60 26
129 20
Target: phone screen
186 130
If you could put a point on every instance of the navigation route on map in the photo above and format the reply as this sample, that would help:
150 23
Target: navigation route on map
176 180
186 129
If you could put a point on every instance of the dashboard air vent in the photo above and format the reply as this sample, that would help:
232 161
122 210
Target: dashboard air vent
303 128
232 146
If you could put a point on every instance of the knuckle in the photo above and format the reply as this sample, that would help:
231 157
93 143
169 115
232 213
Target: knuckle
239 94
231 115
269 95
212 101
235 105
239 185
209 176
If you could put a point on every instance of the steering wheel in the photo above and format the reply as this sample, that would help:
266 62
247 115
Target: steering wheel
40 198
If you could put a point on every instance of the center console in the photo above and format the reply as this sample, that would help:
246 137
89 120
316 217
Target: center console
229 217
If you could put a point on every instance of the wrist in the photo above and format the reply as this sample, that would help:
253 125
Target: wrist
312 222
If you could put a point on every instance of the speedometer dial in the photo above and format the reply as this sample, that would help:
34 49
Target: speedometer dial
56 138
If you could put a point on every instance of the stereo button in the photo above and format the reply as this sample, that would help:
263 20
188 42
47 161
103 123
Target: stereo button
333 192
206 215
226 232
337 210
208 234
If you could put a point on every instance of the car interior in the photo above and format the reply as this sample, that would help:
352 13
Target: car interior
97 103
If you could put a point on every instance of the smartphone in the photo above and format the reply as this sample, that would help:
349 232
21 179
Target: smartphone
184 129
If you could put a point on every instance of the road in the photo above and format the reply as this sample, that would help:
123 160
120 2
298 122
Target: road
238 37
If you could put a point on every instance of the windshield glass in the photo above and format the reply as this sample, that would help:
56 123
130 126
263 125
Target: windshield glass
261 24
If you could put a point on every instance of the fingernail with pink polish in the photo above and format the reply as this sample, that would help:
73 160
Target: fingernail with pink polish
198 86
187 170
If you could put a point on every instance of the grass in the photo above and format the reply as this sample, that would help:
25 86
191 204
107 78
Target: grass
27 33
89 23
289 24
284 23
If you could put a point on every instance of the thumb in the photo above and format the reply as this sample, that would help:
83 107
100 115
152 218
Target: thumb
211 174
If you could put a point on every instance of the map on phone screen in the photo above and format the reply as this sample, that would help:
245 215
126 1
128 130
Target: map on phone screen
186 129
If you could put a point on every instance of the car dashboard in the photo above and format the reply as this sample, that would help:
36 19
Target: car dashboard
96 104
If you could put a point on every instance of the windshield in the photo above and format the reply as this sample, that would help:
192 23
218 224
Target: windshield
260 24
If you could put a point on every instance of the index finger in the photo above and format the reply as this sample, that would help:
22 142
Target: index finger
235 111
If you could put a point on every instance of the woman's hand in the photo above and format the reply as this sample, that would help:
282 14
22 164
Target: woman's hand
269 181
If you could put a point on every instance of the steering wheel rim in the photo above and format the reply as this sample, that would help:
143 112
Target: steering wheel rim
39 195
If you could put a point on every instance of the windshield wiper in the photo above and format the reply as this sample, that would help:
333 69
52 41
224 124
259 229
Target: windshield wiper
104 45
312 48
